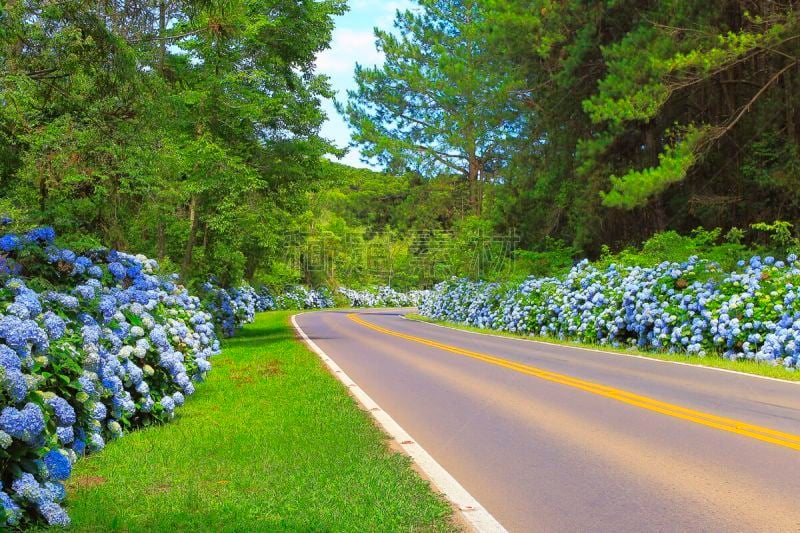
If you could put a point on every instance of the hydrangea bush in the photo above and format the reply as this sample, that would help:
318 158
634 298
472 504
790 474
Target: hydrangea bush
382 297
692 307
91 346
299 297
294 297
231 308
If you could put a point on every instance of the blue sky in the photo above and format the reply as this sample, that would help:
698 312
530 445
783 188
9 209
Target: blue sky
353 42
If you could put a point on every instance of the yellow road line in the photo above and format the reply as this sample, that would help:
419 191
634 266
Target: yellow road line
761 433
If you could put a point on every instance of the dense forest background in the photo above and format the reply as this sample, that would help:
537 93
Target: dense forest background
189 131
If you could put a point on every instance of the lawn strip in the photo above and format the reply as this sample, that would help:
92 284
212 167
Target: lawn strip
270 442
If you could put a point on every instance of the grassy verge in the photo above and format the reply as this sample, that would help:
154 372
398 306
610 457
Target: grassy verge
270 442
714 361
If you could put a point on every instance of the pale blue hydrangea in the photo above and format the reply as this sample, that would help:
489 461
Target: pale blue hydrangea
178 398
65 434
15 384
54 514
27 488
12 511
96 442
64 413
54 325
168 404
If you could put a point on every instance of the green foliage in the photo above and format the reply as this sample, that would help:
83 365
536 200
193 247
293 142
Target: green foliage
642 117
711 245
553 258
188 130
634 188
185 130
780 235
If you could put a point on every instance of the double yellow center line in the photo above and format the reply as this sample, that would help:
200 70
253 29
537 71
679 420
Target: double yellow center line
772 436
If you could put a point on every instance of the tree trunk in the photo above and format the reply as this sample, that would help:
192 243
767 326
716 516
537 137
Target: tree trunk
472 182
162 29
250 268
187 256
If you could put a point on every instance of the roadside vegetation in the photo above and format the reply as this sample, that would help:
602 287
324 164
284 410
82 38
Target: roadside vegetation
270 442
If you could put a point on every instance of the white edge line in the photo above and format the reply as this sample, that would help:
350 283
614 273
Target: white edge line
644 357
472 511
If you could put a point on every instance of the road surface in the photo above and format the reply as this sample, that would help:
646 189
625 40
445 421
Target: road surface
554 438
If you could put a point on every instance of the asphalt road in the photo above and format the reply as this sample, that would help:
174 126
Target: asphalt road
553 438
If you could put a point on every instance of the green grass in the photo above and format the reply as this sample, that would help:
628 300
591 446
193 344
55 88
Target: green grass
270 442
714 361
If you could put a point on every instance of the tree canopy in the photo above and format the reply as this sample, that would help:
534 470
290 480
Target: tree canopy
616 119
189 130
185 129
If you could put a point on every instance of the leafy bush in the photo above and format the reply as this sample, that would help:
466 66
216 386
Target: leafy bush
695 307
91 346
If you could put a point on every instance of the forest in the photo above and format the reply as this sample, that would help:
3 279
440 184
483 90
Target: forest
190 131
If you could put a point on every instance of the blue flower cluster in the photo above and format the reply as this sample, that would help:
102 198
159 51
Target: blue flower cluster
231 308
692 307
104 343
299 297
383 296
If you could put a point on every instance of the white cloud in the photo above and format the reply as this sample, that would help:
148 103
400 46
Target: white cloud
348 47
353 41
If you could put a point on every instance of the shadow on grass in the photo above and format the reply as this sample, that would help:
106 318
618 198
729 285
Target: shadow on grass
256 334
263 340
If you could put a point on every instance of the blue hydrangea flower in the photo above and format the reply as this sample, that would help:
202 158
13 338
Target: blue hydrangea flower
11 509
65 434
107 306
96 442
98 411
54 325
54 491
65 414
27 488
87 384
15 385
43 235
117 270
9 242
58 465
54 514
168 404
25 424
178 398
79 446
68 256
9 360
84 292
